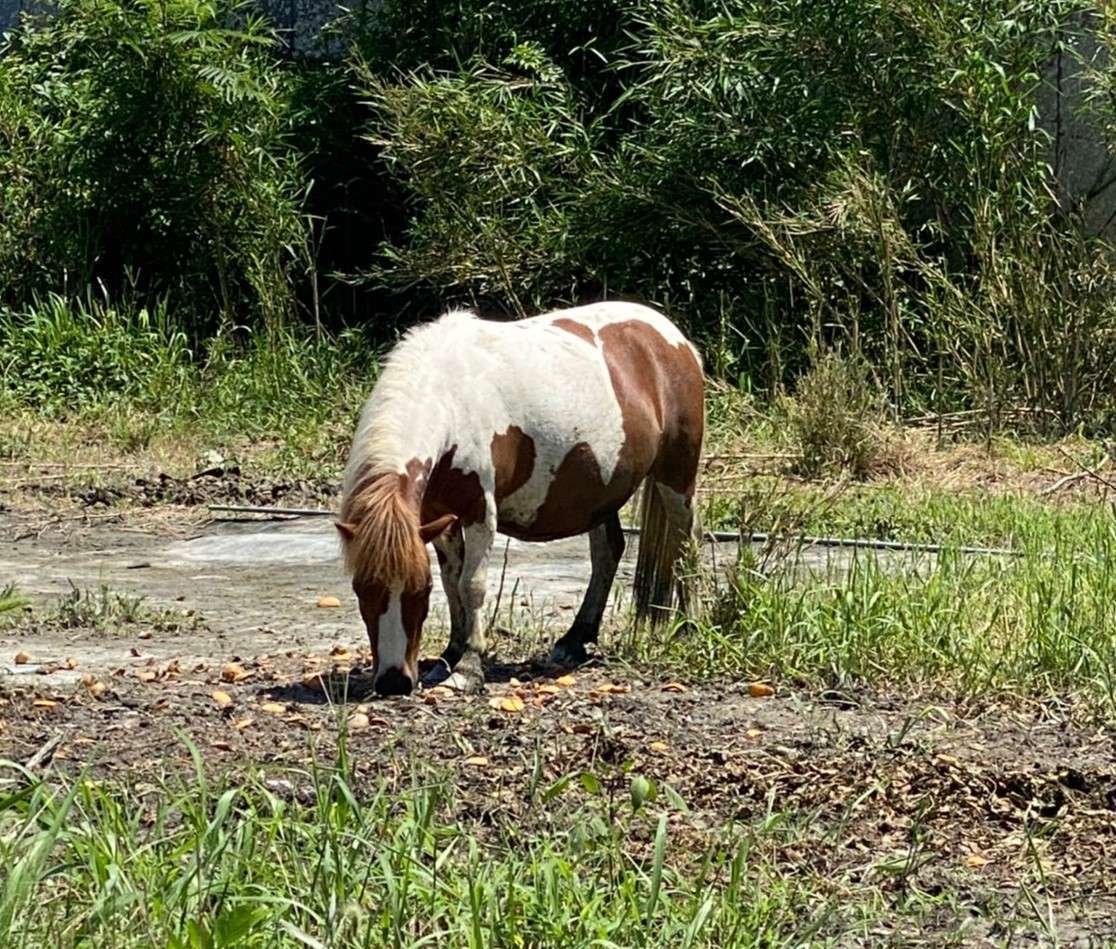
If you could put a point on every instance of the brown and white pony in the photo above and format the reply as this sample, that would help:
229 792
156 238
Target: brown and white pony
538 429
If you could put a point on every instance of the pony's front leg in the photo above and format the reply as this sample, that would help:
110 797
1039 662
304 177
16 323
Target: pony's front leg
450 548
462 666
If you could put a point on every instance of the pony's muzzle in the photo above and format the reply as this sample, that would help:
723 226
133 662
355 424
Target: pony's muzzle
394 682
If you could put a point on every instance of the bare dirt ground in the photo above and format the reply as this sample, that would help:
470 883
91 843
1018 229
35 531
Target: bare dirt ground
232 649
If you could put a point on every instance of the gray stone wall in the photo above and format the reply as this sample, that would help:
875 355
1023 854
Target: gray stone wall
300 22
10 11
1081 158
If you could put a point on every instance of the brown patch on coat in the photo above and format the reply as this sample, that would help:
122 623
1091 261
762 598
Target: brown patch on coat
413 608
513 460
578 329
661 391
418 473
578 498
453 491
374 599
659 388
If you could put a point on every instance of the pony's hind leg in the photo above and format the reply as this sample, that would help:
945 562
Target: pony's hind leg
606 547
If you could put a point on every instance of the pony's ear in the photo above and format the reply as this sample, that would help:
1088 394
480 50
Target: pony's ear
348 531
437 528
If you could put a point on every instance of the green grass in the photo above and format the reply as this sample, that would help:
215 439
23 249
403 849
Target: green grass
10 599
1042 624
130 379
895 511
105 611
197 863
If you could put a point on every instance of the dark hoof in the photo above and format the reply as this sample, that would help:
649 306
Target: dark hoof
467 676
568 654
438 672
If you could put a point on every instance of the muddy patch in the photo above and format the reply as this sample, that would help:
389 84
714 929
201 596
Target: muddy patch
218 486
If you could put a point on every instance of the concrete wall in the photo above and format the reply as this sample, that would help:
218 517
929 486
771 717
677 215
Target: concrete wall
1082 161
10 11
300 21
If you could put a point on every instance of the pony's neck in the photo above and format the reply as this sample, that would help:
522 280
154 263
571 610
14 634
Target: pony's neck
398 438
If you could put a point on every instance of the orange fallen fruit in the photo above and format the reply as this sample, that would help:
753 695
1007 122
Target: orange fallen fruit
507 703
233 672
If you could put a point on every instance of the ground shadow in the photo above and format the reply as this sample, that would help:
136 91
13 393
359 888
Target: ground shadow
534 669
328 688
339 688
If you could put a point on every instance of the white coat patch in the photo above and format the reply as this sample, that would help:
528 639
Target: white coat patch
460 381
391 646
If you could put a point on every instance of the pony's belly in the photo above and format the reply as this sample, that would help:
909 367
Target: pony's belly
538 533
571 500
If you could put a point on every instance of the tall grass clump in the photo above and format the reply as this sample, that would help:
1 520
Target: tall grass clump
65 357
223 863
143 147
270 382
837 420
90 360
1041 624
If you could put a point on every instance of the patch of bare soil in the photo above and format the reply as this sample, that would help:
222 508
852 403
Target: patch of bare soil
898 793
224 485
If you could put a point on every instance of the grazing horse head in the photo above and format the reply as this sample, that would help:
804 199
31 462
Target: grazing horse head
385 551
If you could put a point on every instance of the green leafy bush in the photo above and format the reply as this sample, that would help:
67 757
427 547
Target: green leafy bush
844 172
142 146
785 177
66 357
492 162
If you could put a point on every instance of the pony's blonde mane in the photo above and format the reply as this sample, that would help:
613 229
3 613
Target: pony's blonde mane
385 546
384 438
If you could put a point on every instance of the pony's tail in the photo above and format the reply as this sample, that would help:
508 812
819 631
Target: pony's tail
664 531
